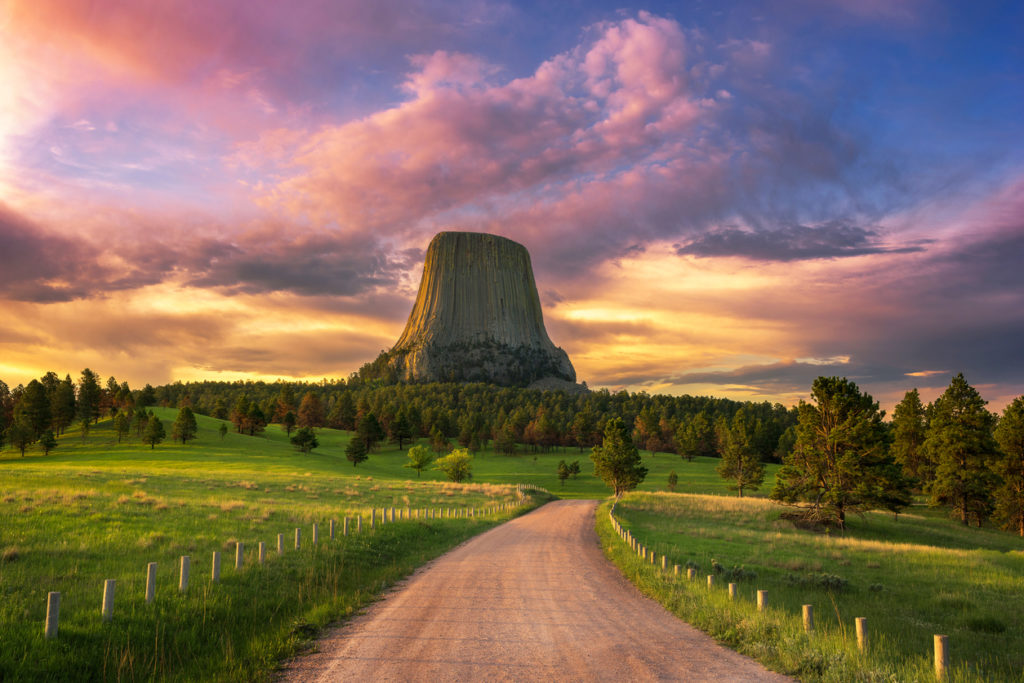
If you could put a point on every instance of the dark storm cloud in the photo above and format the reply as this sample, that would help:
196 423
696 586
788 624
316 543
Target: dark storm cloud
43 267
797 242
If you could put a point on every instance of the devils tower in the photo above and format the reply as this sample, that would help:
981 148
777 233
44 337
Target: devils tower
477 318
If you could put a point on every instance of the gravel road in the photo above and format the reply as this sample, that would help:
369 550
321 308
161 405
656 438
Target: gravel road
532 600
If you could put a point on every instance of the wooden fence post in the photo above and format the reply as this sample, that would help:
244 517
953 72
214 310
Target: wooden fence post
691 573
52 614
330 533
108 599
298 537
344 527
280 544
711 580
732 591
808 618
941 660
359 524
675 569
762 601
150 582
261 552
215 570
373 518
183 573
862 633
239 555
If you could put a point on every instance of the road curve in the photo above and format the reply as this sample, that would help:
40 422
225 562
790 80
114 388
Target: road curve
532 599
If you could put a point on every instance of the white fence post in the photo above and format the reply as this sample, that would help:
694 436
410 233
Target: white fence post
52 614
183 574
108 599
150 582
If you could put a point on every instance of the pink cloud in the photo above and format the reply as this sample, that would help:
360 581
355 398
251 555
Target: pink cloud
463 141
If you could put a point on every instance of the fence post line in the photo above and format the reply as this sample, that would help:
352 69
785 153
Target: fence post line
298 537
862 633
261 552
808 618
183 573
215 570
150 581
239 554
941 657
108 599
762 600
280 544
52 614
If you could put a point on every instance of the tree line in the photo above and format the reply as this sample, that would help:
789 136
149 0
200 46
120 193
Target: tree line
839 455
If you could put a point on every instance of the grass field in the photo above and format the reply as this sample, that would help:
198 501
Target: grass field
911 578
95 510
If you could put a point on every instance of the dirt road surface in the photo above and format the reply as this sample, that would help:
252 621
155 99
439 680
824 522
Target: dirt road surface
532 600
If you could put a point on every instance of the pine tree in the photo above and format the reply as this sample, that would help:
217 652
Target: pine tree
617 461
1009 466
47 441
89 396
673 480
401 430
909 427
185 427
840 463
305 439
154 433
741 461
370 431
123 425
288 421
563 472
356 451
959 441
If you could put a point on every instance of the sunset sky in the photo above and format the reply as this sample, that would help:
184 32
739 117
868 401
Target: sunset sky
719 198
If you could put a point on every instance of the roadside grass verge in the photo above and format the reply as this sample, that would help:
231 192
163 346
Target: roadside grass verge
911 578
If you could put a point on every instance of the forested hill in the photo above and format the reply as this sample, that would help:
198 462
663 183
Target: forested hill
477 413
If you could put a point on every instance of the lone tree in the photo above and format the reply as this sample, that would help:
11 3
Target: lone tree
616 460
223 430
185 427
154 433
1010 466
741 462
839 463
457 465
356 451
563 472
419 458
48 441
305 439
673 480
960 443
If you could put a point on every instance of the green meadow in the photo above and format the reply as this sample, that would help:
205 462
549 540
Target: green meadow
912 577
94 509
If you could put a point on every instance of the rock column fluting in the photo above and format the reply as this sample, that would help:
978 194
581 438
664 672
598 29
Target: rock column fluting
477 317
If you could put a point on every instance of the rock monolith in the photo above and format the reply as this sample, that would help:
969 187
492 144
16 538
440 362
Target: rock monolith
477 318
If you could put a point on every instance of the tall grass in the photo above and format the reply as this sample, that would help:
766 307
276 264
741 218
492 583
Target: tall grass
911 578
